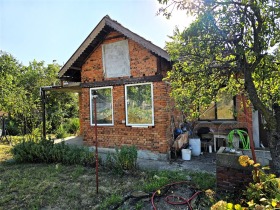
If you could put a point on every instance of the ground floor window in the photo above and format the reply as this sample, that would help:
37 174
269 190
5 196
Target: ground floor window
139 104
222 109
104 105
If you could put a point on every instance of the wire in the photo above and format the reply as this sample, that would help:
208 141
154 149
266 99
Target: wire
168 198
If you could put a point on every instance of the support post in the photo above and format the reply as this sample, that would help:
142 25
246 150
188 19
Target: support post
96 142
43 98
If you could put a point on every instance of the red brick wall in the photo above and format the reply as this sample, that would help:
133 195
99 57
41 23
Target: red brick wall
153 138
231 176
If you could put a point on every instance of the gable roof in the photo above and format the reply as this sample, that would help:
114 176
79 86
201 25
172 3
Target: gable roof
71 70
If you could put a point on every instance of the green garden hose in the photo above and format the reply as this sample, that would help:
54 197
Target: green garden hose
241 134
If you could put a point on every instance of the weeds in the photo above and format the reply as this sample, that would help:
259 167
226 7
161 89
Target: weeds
113 200
124 159
158 179
5 152
45 151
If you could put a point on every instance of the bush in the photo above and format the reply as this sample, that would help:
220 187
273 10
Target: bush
60 132
45 151
73 125
125 159
262 193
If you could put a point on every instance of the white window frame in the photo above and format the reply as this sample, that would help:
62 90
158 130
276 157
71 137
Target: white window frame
91 106
126 108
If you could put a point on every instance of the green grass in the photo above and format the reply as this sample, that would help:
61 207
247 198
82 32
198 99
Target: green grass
57 186
5 152
157 179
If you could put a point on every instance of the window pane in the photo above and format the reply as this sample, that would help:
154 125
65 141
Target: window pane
225 107
139 105
209 113
103 106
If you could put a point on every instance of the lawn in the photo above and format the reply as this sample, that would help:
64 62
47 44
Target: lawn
56 186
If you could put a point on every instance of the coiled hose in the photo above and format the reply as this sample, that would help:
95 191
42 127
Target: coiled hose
241 134
169 198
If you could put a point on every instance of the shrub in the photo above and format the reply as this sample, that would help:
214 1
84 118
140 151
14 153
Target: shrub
262 193
73 125
45 151
125 159
60 132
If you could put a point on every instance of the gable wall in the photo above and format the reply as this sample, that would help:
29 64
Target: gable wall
153 138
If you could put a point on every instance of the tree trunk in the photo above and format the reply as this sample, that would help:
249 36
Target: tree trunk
274 142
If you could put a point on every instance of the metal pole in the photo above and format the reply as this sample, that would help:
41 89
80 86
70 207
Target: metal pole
43 98
96 142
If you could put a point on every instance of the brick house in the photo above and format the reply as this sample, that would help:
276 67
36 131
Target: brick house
125 72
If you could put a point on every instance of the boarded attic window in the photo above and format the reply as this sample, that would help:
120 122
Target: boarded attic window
116 59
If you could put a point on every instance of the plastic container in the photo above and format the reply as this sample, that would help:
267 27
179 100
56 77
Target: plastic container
186 154
196 146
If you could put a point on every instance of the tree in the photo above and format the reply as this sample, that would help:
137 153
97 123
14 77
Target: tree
20 95
229 46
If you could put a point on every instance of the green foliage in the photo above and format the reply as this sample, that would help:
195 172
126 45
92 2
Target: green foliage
60 132
158 179
228 46
262 193
125 159
113 200
45 151
73 125
20 95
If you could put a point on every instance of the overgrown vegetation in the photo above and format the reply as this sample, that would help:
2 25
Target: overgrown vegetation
124 159
45 151
5 152
21 101
157 179
262 193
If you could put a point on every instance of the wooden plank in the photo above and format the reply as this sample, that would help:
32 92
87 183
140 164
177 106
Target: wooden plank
123 81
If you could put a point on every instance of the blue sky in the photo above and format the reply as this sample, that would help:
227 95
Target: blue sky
47 30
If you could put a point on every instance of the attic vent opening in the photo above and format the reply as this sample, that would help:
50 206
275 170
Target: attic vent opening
116 61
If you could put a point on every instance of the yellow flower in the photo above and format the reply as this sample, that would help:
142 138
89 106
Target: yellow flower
220 205
229 206
250 203
243 160
158 191
250 162
273 203
257 165
209 193
237 207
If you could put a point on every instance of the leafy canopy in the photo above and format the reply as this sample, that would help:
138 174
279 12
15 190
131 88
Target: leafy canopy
228 47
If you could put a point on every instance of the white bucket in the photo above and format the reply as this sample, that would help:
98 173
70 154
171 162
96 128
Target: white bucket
196 146
186 154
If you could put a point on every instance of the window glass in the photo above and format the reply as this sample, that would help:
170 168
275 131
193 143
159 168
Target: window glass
104 106
223 109
139 105
209 113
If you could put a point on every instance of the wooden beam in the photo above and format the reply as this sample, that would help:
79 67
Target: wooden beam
115 37
75 68
159 68
123 81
